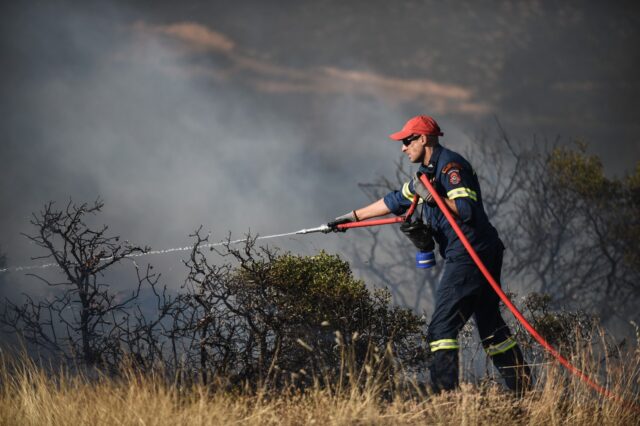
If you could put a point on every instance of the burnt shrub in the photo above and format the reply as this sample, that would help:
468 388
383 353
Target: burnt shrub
565 329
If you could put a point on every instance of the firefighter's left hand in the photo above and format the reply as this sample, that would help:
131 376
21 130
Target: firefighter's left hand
422 190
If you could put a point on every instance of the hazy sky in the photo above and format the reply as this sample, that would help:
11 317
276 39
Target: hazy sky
266 115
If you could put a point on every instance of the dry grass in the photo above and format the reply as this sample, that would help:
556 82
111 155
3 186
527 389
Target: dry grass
30 396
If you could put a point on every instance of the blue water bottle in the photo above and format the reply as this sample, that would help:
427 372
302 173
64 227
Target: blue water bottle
425 259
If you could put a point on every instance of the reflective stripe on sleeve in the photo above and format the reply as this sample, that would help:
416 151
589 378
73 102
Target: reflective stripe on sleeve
406 193
462 192
443 344
501 347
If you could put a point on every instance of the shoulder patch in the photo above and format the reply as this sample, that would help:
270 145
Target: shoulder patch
452 171
454 177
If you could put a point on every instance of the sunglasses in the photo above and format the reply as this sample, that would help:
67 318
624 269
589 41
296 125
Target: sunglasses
407 141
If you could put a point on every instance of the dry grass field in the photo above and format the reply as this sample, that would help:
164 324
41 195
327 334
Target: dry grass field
31 396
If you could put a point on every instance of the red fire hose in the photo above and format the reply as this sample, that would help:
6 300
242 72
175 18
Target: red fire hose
511 306
376 222
443 207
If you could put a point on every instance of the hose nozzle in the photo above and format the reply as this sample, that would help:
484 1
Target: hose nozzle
321 228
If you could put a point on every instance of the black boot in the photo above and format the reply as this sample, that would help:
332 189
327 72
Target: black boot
444 370
516 374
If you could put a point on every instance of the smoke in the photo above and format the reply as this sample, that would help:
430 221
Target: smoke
252 117
103 109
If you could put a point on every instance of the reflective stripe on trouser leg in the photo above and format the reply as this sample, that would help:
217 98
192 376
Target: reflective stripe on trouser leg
501 347
444 344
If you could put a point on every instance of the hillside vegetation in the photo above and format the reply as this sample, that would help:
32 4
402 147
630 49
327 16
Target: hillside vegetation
30 396
256 336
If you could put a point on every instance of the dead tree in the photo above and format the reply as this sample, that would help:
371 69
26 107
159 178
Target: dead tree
573 233
83 318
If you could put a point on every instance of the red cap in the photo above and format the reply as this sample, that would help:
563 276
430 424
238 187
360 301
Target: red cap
420 125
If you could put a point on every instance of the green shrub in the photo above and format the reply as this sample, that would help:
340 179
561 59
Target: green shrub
276 316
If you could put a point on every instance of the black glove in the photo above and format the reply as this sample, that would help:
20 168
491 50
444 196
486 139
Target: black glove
419 234
345 218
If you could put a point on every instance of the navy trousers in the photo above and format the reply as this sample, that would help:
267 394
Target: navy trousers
463 291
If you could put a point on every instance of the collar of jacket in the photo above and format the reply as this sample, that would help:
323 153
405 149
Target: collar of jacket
431 167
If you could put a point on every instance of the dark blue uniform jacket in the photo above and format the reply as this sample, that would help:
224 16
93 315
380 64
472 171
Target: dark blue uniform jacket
455 179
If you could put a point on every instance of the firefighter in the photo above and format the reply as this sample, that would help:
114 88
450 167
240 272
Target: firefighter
463 291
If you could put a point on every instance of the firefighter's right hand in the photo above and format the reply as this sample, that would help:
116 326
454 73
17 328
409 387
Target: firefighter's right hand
420 235
345 218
